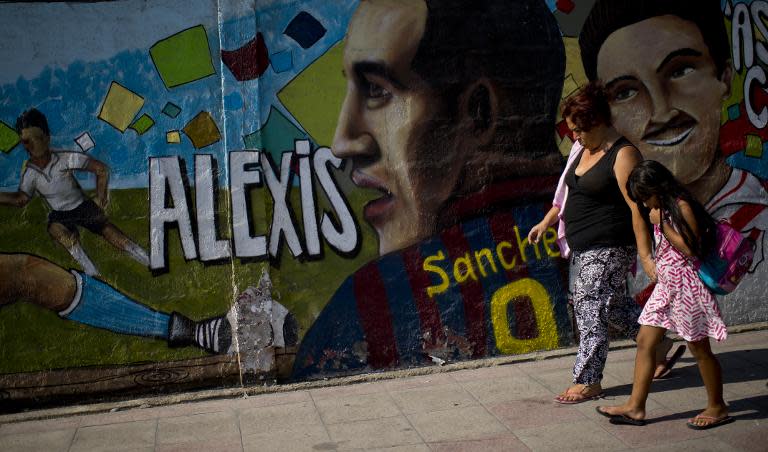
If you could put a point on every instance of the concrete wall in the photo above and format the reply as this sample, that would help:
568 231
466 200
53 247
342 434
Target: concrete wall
268 208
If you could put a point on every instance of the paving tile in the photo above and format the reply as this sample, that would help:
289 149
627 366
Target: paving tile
706 444
456 424
508 388
746 382
120 417
486 373
221 426
127 436
663 427
503 443
45 425
202 446
278 398
624 370
185 409
753 408
381 433
744 434
406 448
584 435
621 370
755 402
564 363
54 440
520 414
432 398
757 356
347 390
690 398
292 416
421 381
737 360
753 338
308 438
356 408
622 355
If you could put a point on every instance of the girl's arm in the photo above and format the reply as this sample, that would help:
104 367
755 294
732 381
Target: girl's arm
674 237
626 160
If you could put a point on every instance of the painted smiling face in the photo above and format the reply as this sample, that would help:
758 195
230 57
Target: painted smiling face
385 113
666 94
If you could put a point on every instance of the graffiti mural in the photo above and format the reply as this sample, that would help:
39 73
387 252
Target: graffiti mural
290 190
680 97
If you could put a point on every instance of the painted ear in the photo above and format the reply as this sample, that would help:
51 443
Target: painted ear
479 107
727 78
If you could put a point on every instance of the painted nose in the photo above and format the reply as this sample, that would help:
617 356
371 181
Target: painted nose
662 113
352 138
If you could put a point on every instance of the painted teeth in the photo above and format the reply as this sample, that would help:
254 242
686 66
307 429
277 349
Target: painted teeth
671 141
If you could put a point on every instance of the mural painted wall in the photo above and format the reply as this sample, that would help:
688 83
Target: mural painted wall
214 193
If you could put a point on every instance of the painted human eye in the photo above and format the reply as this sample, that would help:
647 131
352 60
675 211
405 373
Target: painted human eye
625 93
681 71
376 91
375 94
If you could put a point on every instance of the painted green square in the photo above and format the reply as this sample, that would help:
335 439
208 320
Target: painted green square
171 110
183 57
143 124
754 146
8 137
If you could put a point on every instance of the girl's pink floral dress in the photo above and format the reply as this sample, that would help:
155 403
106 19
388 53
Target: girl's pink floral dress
681 302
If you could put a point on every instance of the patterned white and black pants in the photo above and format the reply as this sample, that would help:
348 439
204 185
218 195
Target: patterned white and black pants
598 291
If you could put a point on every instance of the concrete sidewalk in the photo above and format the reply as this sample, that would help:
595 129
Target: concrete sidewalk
506 406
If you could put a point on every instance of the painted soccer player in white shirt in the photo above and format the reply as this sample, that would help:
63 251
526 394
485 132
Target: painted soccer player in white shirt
50 174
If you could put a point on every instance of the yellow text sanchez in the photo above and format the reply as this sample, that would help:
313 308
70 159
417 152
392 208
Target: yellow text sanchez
480 263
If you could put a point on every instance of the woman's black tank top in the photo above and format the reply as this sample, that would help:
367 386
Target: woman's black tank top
596 214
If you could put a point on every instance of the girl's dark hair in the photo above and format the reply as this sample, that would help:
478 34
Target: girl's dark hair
651 178
588 107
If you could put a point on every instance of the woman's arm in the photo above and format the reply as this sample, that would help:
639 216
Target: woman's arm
626 160
549 219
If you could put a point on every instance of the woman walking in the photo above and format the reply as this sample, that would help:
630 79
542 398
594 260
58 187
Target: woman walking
604 230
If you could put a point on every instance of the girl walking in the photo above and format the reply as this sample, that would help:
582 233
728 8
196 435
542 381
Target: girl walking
683 232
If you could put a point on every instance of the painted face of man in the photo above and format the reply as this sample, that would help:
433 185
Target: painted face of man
385 121
666 94
35 141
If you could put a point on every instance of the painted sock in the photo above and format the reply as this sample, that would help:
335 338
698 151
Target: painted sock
100 305
79 255
213 335
137 253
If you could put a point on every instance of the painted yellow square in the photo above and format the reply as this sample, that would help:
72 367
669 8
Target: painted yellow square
120 106
314 96
569 86
173 137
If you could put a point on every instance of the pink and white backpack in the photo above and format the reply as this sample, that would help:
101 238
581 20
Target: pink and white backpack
727 264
